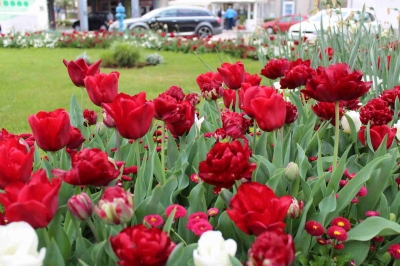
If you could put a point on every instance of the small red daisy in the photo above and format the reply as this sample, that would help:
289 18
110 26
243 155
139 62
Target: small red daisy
180 211
212 212
371 213
394 250
200 227
314 228
337 232
154 220
342 222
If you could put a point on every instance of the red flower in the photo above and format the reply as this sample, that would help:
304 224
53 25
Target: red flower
326 111
371 213
329 51
234 124
102 88
314 228
341 222
229 98
336 83
107 119
232 74
377 133
274 106
390 96
90 117
253 80
198 216
154 220
255 208
350 105
291 113
337 232
377 112
139 245
200 227
388 58
78 70
183 120
51 130
35 202
273 247
226 163
297 75
362 192
75 138
193 98
89 167
275 68
176 93
210 84
252 93
16 162
165 107
5 135
394 250
132 114
81 206
212 212
180 211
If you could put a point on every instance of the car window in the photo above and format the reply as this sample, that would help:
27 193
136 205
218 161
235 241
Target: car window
192 13
285 19
298 18
366 16
168 13
91 16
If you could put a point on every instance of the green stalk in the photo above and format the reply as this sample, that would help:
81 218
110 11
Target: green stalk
164 179
237 102
93 229
219 112
82 99
254 136
137 156
118 142
336 147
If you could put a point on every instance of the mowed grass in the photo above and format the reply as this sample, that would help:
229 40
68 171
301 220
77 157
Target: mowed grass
36 79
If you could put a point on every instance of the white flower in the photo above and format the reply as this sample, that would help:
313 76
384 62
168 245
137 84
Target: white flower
397 126
198 122
355 117
18 245
214 250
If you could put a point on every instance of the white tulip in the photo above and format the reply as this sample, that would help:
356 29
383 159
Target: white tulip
397 126
198 122
214 250
355 117
18 245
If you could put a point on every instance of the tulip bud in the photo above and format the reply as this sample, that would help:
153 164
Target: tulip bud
292 171
392 217
355 117
386 258
81 206
397 126
295 209
107 119
101 129
116 206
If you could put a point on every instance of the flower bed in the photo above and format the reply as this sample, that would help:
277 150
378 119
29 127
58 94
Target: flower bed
303 172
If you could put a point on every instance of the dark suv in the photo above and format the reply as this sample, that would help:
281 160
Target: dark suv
185 21
97 21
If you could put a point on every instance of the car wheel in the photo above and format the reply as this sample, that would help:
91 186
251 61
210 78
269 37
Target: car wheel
103 27
204 32
77 27
138 29
270 30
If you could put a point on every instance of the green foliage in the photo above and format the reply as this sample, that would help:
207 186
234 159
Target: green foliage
154 59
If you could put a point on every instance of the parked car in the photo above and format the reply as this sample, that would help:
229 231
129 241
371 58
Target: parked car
185 21
330 20
283 24
97 21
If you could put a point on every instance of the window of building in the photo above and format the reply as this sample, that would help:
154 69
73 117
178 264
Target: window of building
288 8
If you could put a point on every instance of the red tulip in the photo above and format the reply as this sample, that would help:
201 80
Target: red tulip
90 117
255 208
329 51
132 114
377 134
210 84
5 135
297 75
102 88
175 92
75 138
183 120
139 245
269 112
107 119
193 98
165 108
274 246
89 167
78 70
291 113
275 68
234 124
326 111
253 80
232 74
388 58
51 130
391 95
15 162
35 202
377 112
336 83
226 163
252 93
229 98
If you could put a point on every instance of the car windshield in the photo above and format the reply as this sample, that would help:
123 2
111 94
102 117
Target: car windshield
325 16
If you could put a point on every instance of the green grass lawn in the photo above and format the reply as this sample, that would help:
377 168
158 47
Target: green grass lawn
36 79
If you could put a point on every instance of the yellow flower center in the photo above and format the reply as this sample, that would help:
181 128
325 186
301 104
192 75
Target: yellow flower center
315 227
336 233
153 219
341 224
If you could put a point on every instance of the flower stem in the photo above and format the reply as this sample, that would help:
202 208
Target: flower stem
180 238
254 136
93 229
336 146
237 102
118 143
46 237
219 112
164 179
82 99
137 156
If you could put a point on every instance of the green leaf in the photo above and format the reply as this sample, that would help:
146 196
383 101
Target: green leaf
371 227
181 254
234 261
53 255
172 151
326 206
333 185
57 233
357 249
170 220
